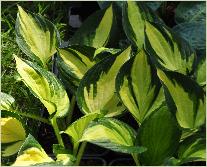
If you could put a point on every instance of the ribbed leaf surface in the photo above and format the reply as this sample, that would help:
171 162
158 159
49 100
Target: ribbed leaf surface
160 134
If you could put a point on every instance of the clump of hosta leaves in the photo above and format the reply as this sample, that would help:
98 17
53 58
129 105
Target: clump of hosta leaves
157 79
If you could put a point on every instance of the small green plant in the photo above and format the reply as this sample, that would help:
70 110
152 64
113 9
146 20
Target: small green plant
157 79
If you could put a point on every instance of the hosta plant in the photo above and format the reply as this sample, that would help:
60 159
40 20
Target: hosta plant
157 79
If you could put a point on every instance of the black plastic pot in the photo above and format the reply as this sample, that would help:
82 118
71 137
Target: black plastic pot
122 162
95 151
93 161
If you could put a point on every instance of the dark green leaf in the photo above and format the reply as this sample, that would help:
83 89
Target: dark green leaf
154 5
160 134
194 33
190 11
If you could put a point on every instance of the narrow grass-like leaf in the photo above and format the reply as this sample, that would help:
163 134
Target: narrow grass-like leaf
45 86
138 87
160 134
36 36
167 50
192 148
6 102
188 98
75 130
96 91
134 16
96 29
112 134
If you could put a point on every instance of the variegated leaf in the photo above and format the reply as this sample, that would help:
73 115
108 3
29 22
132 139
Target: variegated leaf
188 97
201 72
138 87
11 138
192 148
36 36
160 134
112 134
31 153
6 102
76 60
45 86
76 129
96 91
167 50
96 29
134 15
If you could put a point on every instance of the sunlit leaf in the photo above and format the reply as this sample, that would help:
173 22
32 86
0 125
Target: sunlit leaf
31 153
112 134
76 60
96 29
12 135
45 86
167 50
188 97
6 102
76 129
9 133
36 36
134 15
138 87
96 91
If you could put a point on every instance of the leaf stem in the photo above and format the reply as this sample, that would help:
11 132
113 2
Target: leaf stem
71 109
136 160
28 115
80 153
57 132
